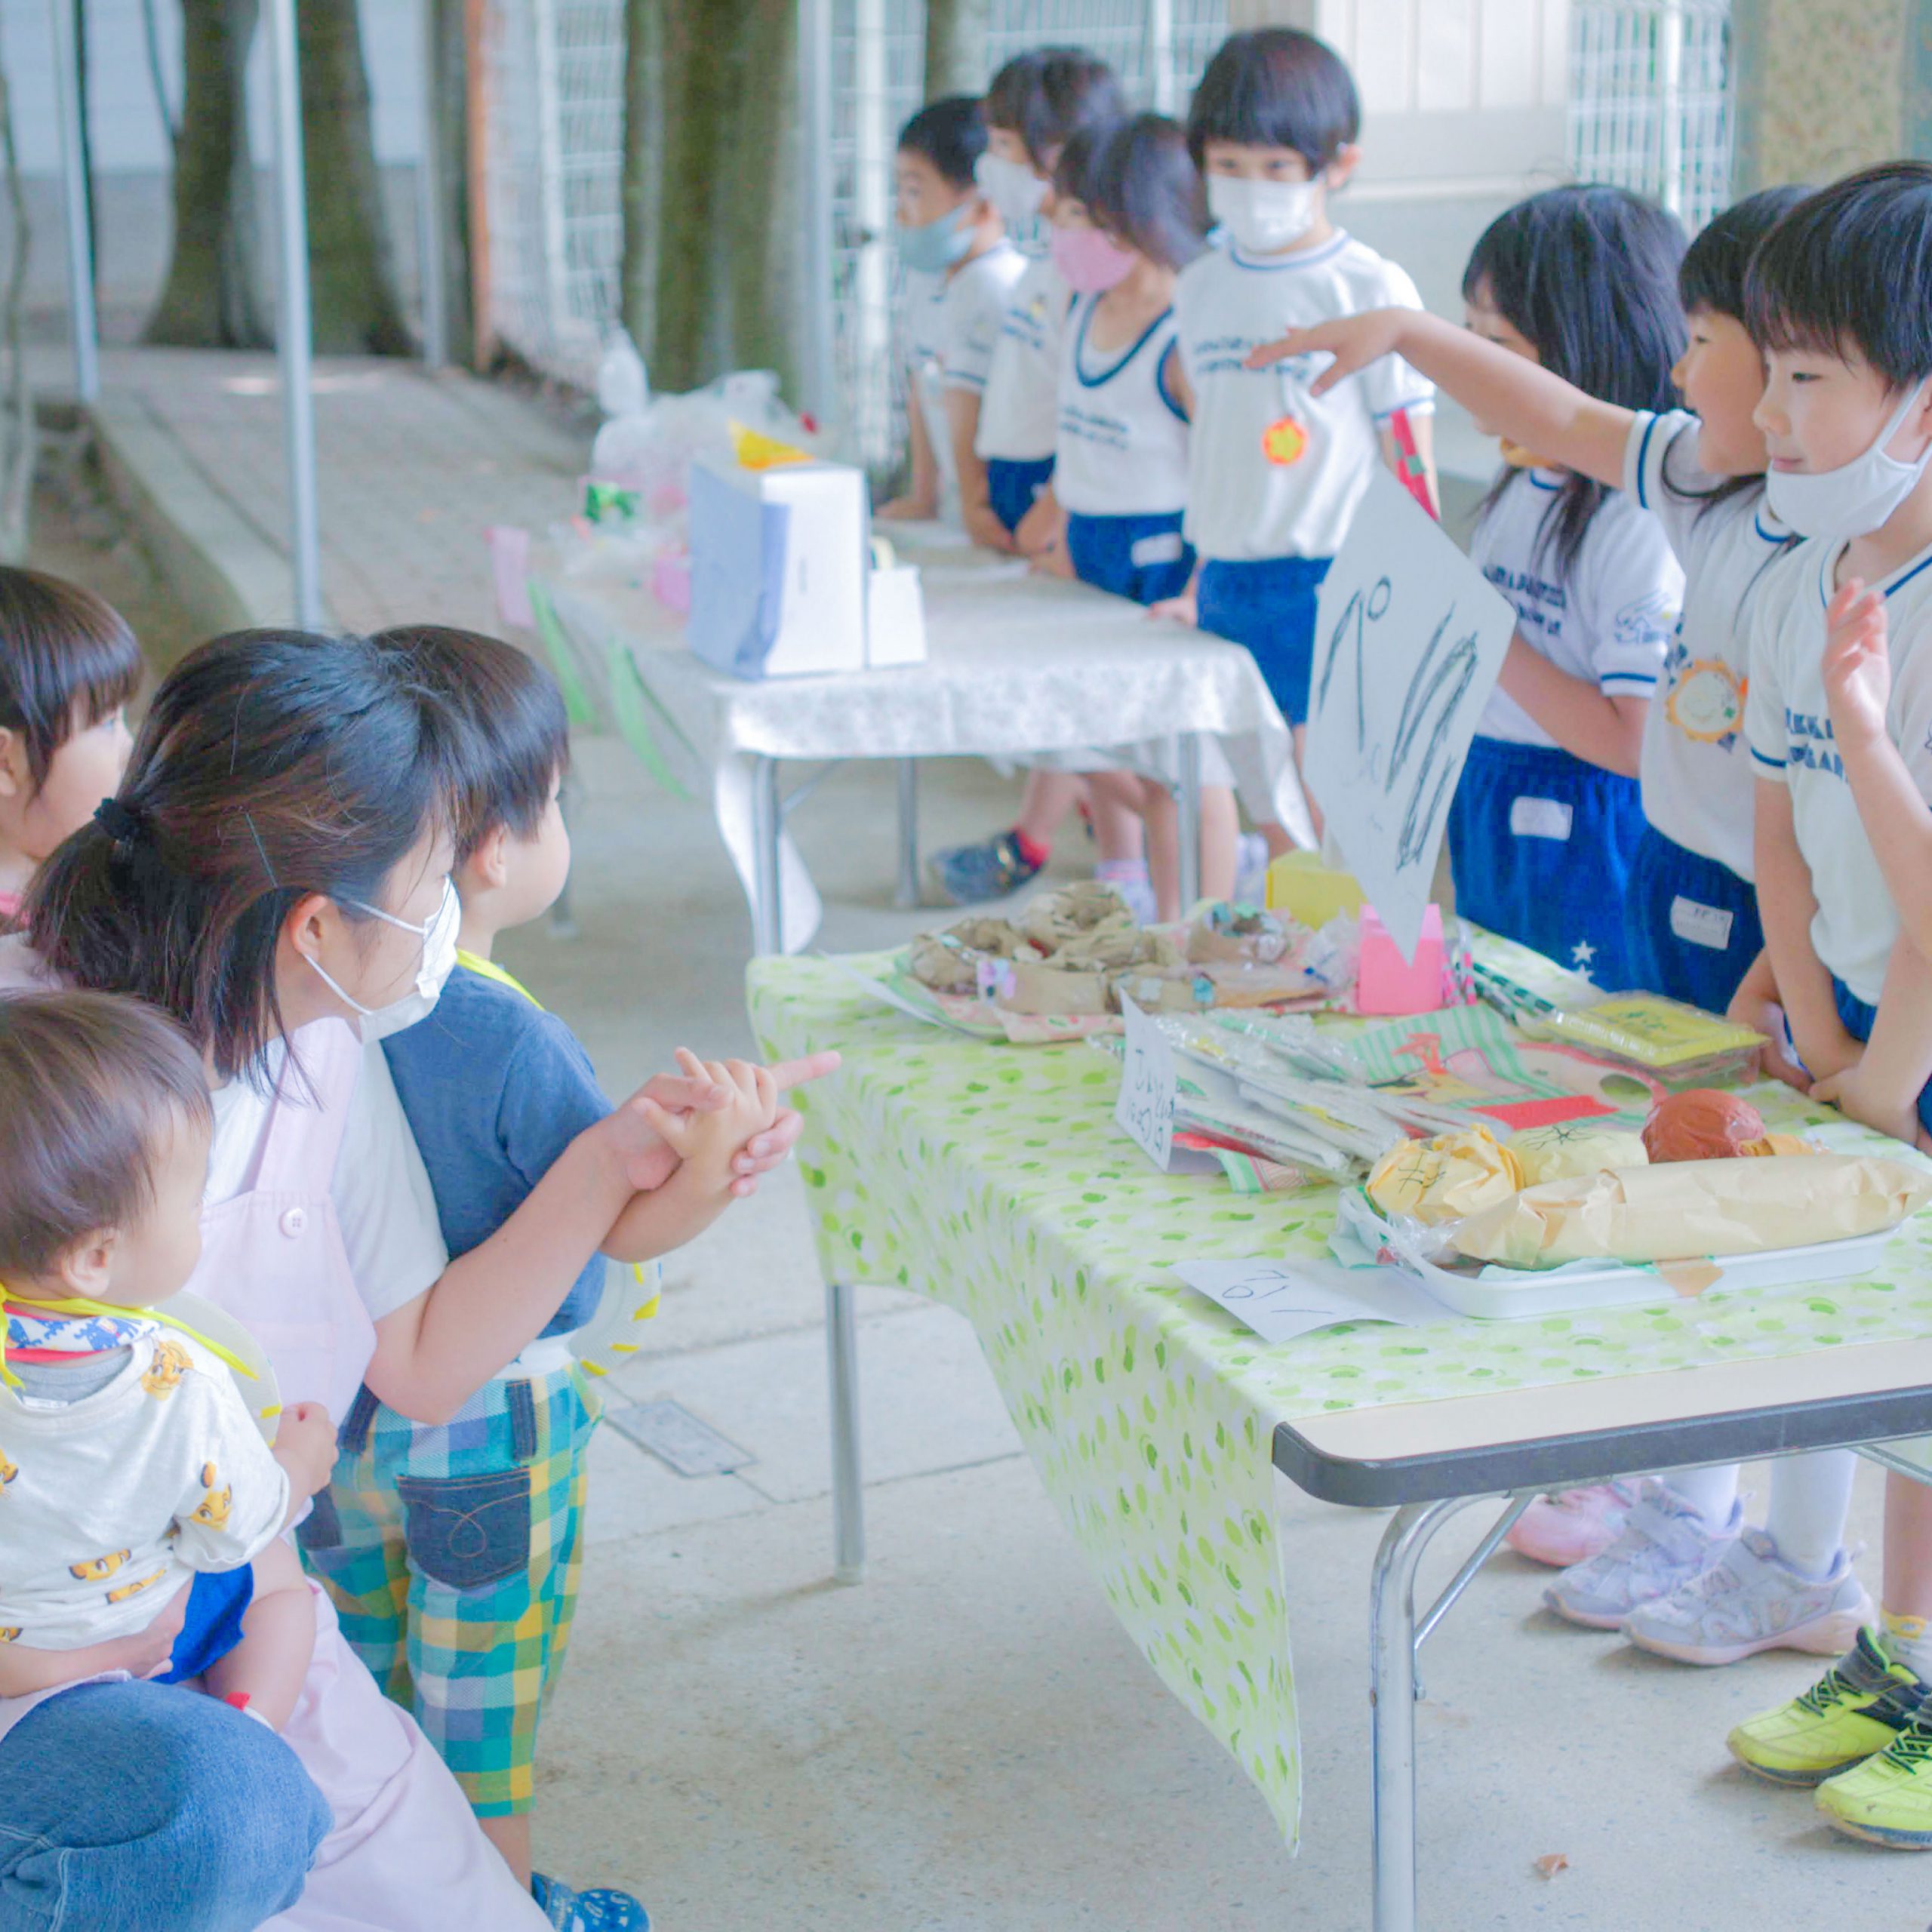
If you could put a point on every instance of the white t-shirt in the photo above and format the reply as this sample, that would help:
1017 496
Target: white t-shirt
1016 413
1274 472
1697 766
1788 722
1607 619
381 1191
1122 450
109 1504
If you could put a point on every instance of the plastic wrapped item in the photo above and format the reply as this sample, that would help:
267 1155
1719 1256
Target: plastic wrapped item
1676 1045
1446 1179
1569 1147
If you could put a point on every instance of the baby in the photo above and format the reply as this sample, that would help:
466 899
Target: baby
141 1511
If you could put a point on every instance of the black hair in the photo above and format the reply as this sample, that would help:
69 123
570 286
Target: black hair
1588 274
67 660
1139 183
1851 266
513 712
951 133
1712 274
1276 88
1047 94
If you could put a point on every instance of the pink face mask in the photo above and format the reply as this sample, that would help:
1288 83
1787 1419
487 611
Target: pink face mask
1091 262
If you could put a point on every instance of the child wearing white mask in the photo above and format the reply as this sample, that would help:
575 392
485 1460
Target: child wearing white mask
960 271
1275 473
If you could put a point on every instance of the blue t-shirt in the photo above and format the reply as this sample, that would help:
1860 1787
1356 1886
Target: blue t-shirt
494 1089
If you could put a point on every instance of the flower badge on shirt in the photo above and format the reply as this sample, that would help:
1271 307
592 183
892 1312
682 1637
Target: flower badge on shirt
1284 442
1706 702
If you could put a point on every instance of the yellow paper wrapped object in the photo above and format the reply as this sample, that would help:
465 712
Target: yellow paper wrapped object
1569 1147
755 451
1442 1179
1310 892
1685 1211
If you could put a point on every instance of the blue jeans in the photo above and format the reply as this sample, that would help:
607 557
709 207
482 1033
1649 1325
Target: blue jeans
135 1807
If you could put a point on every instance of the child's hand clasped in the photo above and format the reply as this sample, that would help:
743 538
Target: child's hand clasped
707 1140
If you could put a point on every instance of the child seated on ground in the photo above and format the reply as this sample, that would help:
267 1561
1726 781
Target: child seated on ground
68 664
131 1469
453 1550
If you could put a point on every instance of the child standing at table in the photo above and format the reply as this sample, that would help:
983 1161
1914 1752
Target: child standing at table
453 1550
1274 472
960 272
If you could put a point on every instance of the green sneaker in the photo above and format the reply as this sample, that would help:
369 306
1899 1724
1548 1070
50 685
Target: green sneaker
1887 1799
1854 1711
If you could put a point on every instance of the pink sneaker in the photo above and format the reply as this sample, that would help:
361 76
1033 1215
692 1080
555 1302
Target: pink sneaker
1572 1526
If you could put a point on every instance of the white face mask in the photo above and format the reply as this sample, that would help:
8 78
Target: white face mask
437 934
1015 192
1854 499
1264 217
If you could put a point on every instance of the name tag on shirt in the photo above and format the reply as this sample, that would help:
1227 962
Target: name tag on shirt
1540 818
1163 547
1700 925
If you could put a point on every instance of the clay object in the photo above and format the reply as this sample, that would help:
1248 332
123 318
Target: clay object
1702 1125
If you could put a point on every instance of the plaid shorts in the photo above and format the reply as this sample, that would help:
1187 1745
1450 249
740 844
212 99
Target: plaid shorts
452 1553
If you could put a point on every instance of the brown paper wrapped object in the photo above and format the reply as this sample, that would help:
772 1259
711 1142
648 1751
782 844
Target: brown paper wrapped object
1039 988
948 962
1444 1179
1686 1209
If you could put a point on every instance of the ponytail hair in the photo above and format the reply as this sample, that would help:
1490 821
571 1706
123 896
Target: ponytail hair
271 765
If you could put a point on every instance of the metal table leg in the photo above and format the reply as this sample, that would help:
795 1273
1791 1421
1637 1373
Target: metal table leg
907 894
768 825
1187 813
848 1504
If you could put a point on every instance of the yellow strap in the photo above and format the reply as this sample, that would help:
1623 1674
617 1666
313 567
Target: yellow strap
80 1304
490 970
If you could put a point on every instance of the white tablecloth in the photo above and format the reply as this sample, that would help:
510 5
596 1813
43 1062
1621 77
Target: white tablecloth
1018 663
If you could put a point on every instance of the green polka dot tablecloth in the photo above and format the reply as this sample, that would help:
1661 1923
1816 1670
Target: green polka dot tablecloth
992 1179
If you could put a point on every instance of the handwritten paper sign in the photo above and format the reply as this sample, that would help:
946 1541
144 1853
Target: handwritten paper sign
1280 1300
1408 641
1145 1111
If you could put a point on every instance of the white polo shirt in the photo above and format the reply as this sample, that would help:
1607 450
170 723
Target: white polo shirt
1274 471
1122 450
1017 411
1789 724
1606 619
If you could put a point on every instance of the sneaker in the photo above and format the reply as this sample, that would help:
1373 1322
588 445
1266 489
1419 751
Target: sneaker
970 874
1662 1545
1572 1526
1750 1600
1854 1710
1887 1799
600 1910
1251 869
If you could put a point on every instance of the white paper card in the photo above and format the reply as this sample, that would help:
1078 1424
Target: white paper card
1280 1300
1145 1111
1408 641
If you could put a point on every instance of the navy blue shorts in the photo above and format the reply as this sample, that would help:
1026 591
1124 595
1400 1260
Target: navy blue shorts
1267 604
1011 486
1694 929
1541 845
1144 557
217 1600
1858 1018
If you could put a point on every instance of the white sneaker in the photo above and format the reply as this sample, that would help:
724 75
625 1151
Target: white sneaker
1251 869
1750 1600
1129 878
1663 1546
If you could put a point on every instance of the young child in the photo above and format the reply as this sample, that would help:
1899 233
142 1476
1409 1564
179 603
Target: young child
960 272
1544 824
132 1469
453 1550
1839 717
68 665
1275 472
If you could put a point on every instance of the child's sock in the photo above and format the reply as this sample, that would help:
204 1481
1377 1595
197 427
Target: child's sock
1712 1493
1130 878
1035 851
1908 1640
1811 1497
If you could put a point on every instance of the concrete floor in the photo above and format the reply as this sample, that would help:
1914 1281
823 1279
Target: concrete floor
967 1741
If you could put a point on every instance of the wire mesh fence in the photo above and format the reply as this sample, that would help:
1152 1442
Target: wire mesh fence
1650 103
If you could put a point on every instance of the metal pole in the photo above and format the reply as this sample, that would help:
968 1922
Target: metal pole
430 202
83 324
292 338
1187 813
815 190
848 1502
767 828
907 894
1164 80
1670 108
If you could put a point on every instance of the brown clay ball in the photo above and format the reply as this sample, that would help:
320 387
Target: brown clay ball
1702 1125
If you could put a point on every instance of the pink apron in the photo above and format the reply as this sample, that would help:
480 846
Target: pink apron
406 1854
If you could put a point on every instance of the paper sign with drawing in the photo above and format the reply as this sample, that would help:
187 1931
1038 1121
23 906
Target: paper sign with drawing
1408 642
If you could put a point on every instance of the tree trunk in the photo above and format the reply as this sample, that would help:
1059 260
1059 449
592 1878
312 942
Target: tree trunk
451 136
353 301
643 177
212 296
762 236
18 429
956 33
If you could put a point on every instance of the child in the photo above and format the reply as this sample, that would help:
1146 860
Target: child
68 665
454 1549
1839 717
960 270
133 1469
1273 474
